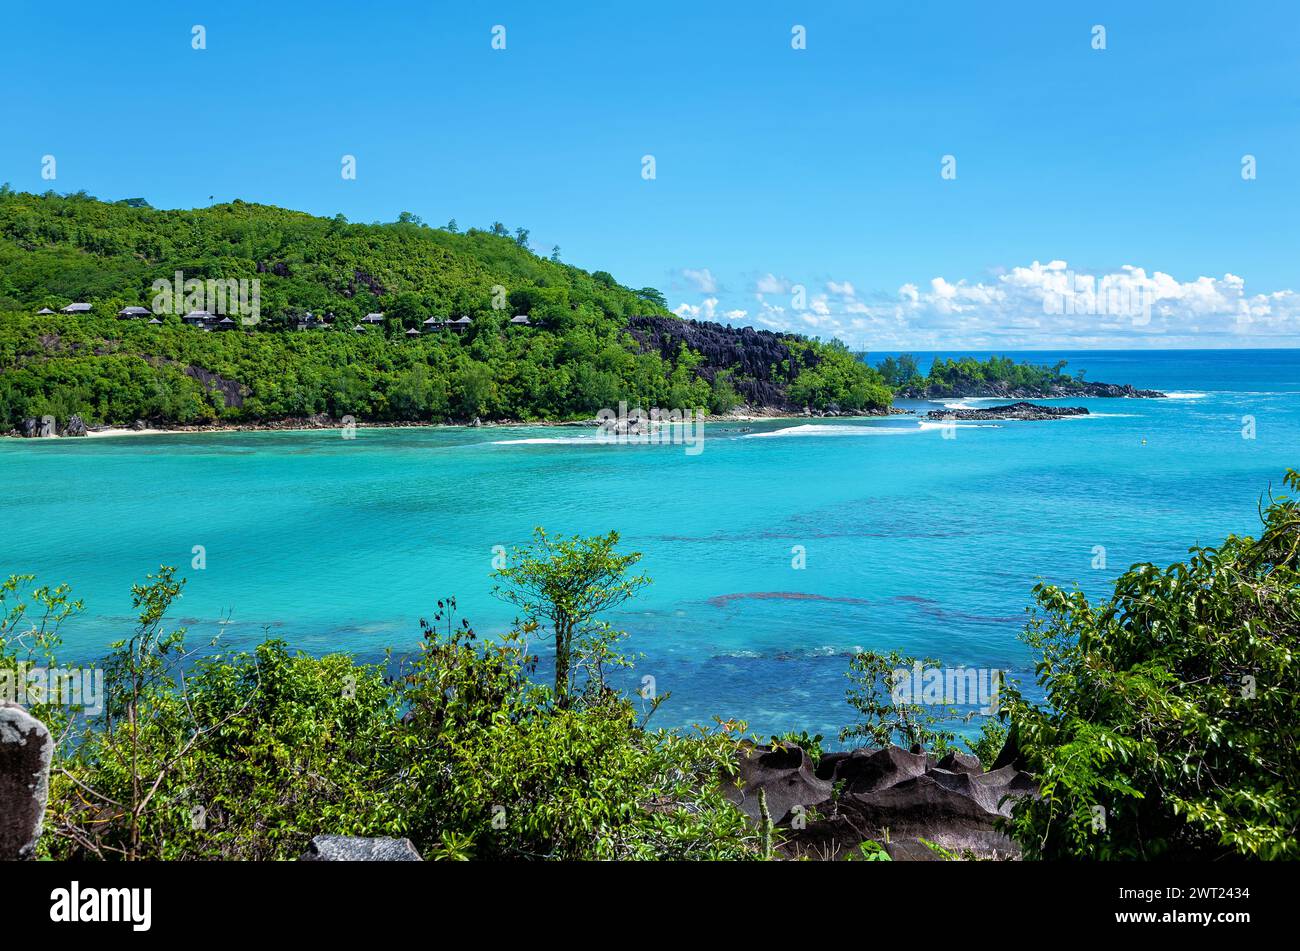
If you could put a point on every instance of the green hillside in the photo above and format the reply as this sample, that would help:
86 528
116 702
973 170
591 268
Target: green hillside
577 355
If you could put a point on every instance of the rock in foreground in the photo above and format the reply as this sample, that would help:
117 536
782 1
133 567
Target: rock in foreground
25 750
889 795
352 848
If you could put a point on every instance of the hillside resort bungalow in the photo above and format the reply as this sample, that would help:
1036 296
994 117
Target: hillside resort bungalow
206 320
310 321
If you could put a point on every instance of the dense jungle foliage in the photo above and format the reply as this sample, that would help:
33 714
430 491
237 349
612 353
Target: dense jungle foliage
948 376
576 356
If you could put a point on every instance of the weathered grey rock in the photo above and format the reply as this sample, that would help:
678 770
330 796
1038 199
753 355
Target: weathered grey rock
139 425
353 848
894 796
927 808
1010 755
30 427
864 771
25 750
784 774
76 426
956 762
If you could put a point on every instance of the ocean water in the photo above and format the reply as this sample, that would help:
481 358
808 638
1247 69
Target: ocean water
911 541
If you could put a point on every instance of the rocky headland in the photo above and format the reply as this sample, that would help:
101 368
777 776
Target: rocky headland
996 389
1020 410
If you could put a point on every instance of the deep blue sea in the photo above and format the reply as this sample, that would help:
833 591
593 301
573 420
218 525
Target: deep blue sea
912 540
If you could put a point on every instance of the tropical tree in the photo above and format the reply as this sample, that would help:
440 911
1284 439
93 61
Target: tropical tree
564 584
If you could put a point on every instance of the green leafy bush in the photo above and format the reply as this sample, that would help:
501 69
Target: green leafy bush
249 755
1171 727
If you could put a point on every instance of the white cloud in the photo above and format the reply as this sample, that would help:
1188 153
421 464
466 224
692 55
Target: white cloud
1049 305
708 309
705 310
1038 305
701 279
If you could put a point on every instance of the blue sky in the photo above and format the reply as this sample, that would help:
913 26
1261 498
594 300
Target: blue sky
795 189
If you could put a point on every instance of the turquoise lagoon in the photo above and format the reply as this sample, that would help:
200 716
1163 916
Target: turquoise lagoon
911 540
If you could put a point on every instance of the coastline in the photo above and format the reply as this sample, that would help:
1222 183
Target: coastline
316 424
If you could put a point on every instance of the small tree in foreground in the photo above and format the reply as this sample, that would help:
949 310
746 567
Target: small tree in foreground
564 584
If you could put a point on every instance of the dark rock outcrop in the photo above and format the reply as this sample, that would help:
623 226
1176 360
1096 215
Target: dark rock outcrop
34 427
352 848
784 774
892 796
956 762
1066 386
864 771
1010 754
25 750
1022 411
232 392
76 426
762 361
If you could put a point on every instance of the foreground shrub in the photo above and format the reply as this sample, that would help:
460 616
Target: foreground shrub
1171 727
503 768
249 755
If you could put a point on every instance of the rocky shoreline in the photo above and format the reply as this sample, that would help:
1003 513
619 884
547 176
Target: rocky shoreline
37 428
1021 411
998 390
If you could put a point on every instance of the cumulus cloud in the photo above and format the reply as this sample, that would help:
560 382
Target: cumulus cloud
701 279
708 309
771 284
1043 305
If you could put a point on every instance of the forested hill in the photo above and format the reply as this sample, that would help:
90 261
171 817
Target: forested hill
589 342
